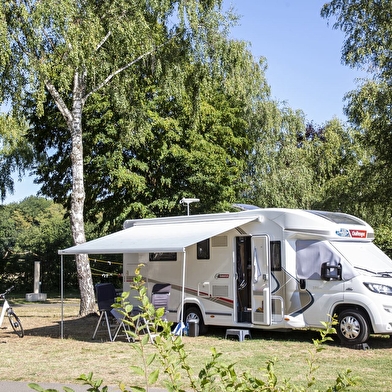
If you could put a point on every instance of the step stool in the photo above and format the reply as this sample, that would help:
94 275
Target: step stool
241 333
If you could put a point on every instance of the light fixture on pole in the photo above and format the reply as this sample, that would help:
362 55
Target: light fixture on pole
188 201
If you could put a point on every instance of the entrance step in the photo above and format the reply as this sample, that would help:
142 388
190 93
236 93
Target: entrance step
241 333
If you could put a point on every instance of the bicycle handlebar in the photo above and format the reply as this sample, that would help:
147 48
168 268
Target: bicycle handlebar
2 296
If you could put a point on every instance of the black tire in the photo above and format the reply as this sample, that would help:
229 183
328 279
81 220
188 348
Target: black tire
194 313
352 327
16 324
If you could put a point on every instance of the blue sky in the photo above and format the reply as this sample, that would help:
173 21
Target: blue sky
303 55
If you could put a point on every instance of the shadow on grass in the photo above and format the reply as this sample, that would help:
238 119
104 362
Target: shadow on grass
77 328
82 329
259 334
305 336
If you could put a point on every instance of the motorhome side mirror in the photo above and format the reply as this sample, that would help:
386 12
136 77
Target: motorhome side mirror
331 271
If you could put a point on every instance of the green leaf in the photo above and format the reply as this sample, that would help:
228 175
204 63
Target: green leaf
153 377
137 370
137 348
150 359
145 339
36 387
137 388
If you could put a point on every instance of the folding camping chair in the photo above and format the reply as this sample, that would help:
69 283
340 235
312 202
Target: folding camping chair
121 326
160 295
106 297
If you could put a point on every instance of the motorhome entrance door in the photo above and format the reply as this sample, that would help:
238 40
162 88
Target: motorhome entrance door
261 281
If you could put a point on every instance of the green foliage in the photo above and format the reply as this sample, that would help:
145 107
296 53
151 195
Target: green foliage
15 152
280 172
368 46
134 77
33 230
338 159
307 166
174 135
38 388
368 109
383 238
367 30
61 56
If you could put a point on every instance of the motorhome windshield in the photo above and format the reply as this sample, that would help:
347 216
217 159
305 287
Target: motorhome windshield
365 257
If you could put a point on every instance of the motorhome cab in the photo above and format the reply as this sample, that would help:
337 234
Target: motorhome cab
267 269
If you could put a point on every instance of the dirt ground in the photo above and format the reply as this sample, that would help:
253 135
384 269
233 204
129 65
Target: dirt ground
51 318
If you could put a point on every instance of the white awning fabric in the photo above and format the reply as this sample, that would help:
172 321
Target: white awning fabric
156 235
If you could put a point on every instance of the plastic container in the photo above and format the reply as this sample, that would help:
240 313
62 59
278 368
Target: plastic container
193 328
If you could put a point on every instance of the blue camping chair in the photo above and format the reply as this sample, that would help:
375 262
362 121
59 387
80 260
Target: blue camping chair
106 297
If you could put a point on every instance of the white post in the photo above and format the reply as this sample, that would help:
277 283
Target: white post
37 274
36 295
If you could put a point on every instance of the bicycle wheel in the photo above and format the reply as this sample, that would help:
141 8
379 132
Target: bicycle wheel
16 324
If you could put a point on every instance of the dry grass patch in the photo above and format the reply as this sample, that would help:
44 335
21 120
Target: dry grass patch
41 356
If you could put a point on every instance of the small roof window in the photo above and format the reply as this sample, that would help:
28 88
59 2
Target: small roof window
338 217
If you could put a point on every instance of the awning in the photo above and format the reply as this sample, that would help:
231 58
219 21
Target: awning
160 235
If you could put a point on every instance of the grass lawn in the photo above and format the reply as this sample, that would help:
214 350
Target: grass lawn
41 356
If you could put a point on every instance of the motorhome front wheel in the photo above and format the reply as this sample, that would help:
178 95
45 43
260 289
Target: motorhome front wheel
353 327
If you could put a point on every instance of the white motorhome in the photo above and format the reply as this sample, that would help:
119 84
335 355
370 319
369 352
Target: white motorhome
266 268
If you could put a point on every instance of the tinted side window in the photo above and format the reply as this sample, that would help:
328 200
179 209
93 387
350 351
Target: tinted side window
203 250
163 256
276 256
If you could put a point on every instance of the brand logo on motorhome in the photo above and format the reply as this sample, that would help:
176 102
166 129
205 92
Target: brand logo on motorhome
358 233
222 276
343 232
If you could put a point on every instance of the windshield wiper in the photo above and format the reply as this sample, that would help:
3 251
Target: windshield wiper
366 270
385 274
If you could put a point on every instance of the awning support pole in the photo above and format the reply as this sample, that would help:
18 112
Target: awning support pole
62 298
183 292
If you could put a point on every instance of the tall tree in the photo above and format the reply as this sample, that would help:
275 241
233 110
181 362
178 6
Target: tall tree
16 154
368 33
368 46
33 230
74 50
279 169
337 158
166 141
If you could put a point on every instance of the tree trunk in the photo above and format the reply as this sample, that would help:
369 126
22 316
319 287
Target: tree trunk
87 296
86 287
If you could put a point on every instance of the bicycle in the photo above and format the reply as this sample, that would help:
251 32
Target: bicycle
14 319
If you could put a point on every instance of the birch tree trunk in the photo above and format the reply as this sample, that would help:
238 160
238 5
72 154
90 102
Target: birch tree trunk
87 297
74 123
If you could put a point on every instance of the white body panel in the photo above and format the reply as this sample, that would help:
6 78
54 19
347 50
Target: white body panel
267 273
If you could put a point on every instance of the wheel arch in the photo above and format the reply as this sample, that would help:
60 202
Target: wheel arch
190 303
195 307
